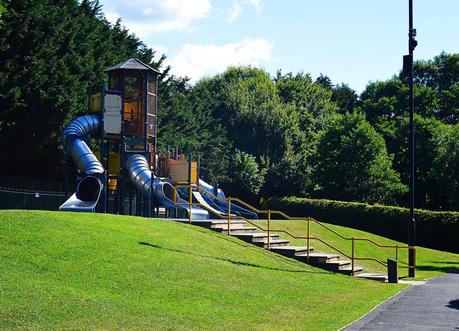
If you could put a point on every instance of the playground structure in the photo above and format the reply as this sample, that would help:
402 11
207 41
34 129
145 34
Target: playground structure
125 174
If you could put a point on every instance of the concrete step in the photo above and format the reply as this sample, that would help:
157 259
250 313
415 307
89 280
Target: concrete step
236 228
347 270
337 265
372 276
272 243
224 221
318 259
251 237
224 226
290 251
210 223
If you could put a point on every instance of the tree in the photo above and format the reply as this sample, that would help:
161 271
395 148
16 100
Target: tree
185 120
246 174
51 52
324 81
446 165
311 101
352 163
345 98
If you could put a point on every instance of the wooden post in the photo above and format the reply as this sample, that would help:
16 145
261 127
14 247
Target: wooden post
229 215
353 255
308 242
269 229
190 190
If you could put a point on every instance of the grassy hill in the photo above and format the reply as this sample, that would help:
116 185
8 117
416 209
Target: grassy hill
429 262
93 271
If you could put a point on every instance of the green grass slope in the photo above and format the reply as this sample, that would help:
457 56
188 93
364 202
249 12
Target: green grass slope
93 271
430 262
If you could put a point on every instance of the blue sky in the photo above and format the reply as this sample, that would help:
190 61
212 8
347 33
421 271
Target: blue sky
353 41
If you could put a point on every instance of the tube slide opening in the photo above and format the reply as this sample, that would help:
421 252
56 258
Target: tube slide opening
89 189
168 191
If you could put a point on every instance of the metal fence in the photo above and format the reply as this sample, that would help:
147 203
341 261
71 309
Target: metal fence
25 193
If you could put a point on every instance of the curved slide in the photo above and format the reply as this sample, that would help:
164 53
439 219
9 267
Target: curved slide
90 187
163 192
222 205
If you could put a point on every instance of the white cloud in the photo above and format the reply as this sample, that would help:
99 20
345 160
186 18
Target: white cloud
234 12
196 61
146 17
257 4
237 7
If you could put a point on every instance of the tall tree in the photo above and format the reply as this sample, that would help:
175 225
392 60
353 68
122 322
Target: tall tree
446 165
352 163
345 98
51 52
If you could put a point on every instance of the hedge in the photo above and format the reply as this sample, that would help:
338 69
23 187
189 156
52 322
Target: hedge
438 230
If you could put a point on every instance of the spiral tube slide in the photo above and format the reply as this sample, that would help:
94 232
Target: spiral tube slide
90 187
163 192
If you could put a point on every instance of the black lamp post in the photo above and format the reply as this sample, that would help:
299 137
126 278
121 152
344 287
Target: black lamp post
408 69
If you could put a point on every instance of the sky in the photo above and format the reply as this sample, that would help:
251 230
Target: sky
351 41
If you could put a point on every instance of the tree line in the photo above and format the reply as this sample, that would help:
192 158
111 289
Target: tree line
258 135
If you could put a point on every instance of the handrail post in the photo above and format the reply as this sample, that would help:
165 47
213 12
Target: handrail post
396 253
353 256
412 267
309 247
269 229
190 203
229 215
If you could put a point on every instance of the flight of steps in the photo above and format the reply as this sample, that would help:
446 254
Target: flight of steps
250 234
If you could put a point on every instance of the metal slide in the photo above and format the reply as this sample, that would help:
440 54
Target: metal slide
163 192
90 187
222 205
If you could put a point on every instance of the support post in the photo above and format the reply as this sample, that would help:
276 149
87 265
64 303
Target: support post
353 256
308 241
190 190
269 229
229 215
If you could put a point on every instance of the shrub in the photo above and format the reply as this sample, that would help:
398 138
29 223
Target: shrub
439 230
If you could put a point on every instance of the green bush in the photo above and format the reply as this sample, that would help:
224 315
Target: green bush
439 230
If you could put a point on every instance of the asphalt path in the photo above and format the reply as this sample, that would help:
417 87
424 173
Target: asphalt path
431 306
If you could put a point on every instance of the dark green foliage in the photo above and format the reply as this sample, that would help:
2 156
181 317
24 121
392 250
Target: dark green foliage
325 81
352 164
246 175
345 98
442 75
185 120
437 230
446 165
286 129
51 52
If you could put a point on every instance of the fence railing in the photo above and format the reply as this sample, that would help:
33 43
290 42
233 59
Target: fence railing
308 238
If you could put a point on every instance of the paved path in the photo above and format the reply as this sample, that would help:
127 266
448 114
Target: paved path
432 306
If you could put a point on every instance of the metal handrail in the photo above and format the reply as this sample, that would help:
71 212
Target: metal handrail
308 238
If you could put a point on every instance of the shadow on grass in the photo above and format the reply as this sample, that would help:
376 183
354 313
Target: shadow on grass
454 304
446 269
242 263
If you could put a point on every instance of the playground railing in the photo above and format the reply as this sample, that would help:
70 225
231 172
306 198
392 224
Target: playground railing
309 220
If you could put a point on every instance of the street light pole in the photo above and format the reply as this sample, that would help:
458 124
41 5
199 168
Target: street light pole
411 222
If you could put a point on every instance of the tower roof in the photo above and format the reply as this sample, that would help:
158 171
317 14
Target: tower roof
132 64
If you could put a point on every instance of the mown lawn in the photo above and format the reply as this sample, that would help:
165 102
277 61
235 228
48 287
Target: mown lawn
93 271
430 263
